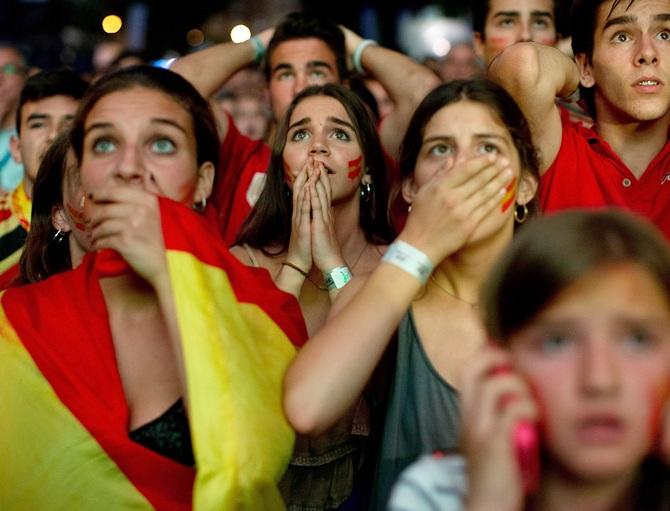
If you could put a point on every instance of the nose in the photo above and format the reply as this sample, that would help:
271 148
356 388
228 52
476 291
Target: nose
599 372
525 34
299 84
130 168
646 51
53 132
318 147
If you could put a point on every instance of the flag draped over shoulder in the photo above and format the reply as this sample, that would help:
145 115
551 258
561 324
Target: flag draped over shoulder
64 419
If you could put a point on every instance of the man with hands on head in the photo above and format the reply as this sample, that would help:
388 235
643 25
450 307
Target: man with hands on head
301 51
622 54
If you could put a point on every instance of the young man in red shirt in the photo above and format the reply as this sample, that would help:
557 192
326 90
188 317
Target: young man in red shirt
622 53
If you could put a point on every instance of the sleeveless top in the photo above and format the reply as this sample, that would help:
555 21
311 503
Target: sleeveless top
422 415
168 435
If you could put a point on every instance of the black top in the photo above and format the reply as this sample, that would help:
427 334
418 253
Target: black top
168 435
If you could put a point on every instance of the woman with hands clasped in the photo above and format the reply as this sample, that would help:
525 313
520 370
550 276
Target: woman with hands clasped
128 342
320 221
579 308
469 169
321 217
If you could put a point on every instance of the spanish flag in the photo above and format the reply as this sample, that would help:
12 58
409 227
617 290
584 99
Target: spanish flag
64 440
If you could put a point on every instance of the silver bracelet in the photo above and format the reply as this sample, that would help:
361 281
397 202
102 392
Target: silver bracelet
410 259
356 58
337 278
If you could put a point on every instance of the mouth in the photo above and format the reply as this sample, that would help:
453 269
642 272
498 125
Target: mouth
600 429
328 170
648 84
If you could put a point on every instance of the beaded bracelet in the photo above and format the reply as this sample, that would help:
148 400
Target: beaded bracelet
259 48
410 259
337 278
358 52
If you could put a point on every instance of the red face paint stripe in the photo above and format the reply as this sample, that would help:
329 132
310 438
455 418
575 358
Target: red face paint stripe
508 198
355 167
78 217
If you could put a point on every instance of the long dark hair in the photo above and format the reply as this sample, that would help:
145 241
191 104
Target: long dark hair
42 256
481 91
553 252
269 223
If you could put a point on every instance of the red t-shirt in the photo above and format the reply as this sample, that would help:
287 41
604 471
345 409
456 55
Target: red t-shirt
239 181
587 173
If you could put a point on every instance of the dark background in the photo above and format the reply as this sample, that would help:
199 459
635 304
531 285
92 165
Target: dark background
65 31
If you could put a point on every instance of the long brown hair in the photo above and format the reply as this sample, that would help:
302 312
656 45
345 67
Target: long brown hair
269 223
43 255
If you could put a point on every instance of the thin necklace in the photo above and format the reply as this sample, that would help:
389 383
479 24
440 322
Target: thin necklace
434 280
365 246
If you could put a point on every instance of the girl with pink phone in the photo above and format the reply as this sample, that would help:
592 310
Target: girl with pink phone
580 304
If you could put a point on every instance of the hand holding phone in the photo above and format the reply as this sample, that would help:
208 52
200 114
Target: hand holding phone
526 445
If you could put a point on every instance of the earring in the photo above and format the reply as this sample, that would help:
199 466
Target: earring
200 206
520 213
409 208
366 192
58 237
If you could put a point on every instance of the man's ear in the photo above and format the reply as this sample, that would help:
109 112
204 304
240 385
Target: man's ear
59 220
478 44
585 70
15 149
203 188
527 188
408 189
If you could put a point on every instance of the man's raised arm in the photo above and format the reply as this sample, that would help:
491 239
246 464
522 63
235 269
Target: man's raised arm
534 74
406 81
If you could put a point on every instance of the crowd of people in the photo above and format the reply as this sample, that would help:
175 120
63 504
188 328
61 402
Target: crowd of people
395 289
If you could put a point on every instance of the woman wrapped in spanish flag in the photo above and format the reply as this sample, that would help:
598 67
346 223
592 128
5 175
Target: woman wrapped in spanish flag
149 376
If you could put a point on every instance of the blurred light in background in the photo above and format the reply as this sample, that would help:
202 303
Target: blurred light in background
111 24
429 33
195 37
240 33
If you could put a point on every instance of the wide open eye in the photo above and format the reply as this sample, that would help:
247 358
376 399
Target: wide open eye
163 145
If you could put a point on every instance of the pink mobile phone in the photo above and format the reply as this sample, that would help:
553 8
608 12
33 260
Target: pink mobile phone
526 445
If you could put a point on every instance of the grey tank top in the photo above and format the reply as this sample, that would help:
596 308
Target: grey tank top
422 415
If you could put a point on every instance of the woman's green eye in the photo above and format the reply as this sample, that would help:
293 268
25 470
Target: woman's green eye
163 146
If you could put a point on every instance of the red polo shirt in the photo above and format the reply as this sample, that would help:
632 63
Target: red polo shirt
587 173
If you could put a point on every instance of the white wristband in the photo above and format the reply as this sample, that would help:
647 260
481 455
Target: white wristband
356 58
337 278
410 259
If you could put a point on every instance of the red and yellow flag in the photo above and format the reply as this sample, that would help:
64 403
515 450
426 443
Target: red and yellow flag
64 431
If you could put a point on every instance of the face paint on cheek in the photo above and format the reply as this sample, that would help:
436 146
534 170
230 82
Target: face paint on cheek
77 215
508 198
355 167
659 401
